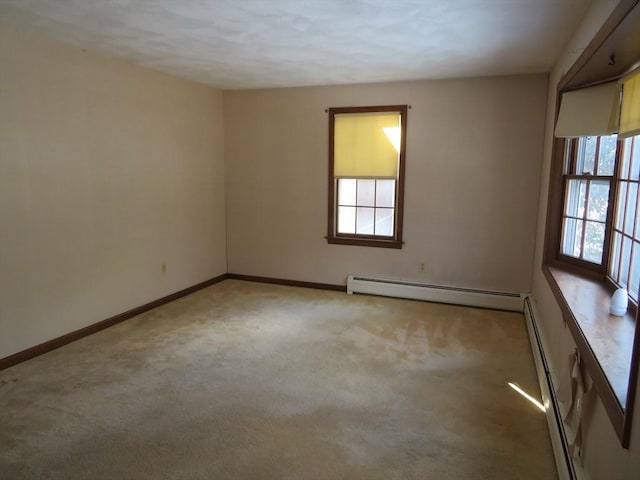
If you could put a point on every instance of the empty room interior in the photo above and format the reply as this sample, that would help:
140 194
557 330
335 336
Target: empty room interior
305 239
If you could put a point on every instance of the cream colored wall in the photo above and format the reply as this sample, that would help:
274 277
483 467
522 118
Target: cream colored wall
604 459
473 169
106 171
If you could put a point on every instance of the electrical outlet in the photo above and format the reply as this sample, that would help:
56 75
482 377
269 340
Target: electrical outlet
422 266
163 268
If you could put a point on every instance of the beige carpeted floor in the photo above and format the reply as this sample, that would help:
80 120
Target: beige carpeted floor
252 381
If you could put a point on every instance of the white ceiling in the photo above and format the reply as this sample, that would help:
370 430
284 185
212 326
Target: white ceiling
236 44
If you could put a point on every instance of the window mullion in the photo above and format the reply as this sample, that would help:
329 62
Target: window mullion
355 227
375 195
596 160
573 167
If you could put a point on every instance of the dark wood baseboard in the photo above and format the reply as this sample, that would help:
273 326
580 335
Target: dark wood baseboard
101 325
58 342
290 283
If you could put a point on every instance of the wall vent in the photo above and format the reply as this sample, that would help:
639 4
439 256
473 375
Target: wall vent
434 293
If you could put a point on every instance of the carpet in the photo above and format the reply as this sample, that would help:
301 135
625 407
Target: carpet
244 380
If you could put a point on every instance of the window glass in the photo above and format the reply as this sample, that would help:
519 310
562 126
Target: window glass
365 219
346 219
630 216
632 149
622 196
625 261
615 255
366 193
576 198
347 191
586 156
385 193
593 241
598 201
607 155
384 221
365 206
634 274
572 238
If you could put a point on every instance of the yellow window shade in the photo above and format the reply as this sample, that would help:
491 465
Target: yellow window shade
589 111
630 111
366 145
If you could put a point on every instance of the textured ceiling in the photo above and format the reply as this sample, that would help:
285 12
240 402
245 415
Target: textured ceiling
235 44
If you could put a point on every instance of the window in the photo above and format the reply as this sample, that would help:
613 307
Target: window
624 265
589 168
596 214
366 175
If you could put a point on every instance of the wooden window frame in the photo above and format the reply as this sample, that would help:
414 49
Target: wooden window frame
333 237
570 173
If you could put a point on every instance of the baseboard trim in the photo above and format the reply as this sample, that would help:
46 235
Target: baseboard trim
58 342
289 283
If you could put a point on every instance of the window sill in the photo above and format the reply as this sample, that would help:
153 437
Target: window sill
365 242
605 342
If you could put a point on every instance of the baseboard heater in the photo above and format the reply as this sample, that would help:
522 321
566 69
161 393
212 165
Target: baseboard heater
434 293
564 464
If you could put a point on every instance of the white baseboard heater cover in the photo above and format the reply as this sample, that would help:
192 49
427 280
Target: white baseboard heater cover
434 293
567 469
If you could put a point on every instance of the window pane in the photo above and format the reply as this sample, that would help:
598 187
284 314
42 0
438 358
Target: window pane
346 220
607 155
632 196
576 192
598 201
572 237
384 221
625 261
347 191
586 155
385 193
622 199
593 242
634 275
364 221
631 149
625 159
637 226
615 256
366 193
635 147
